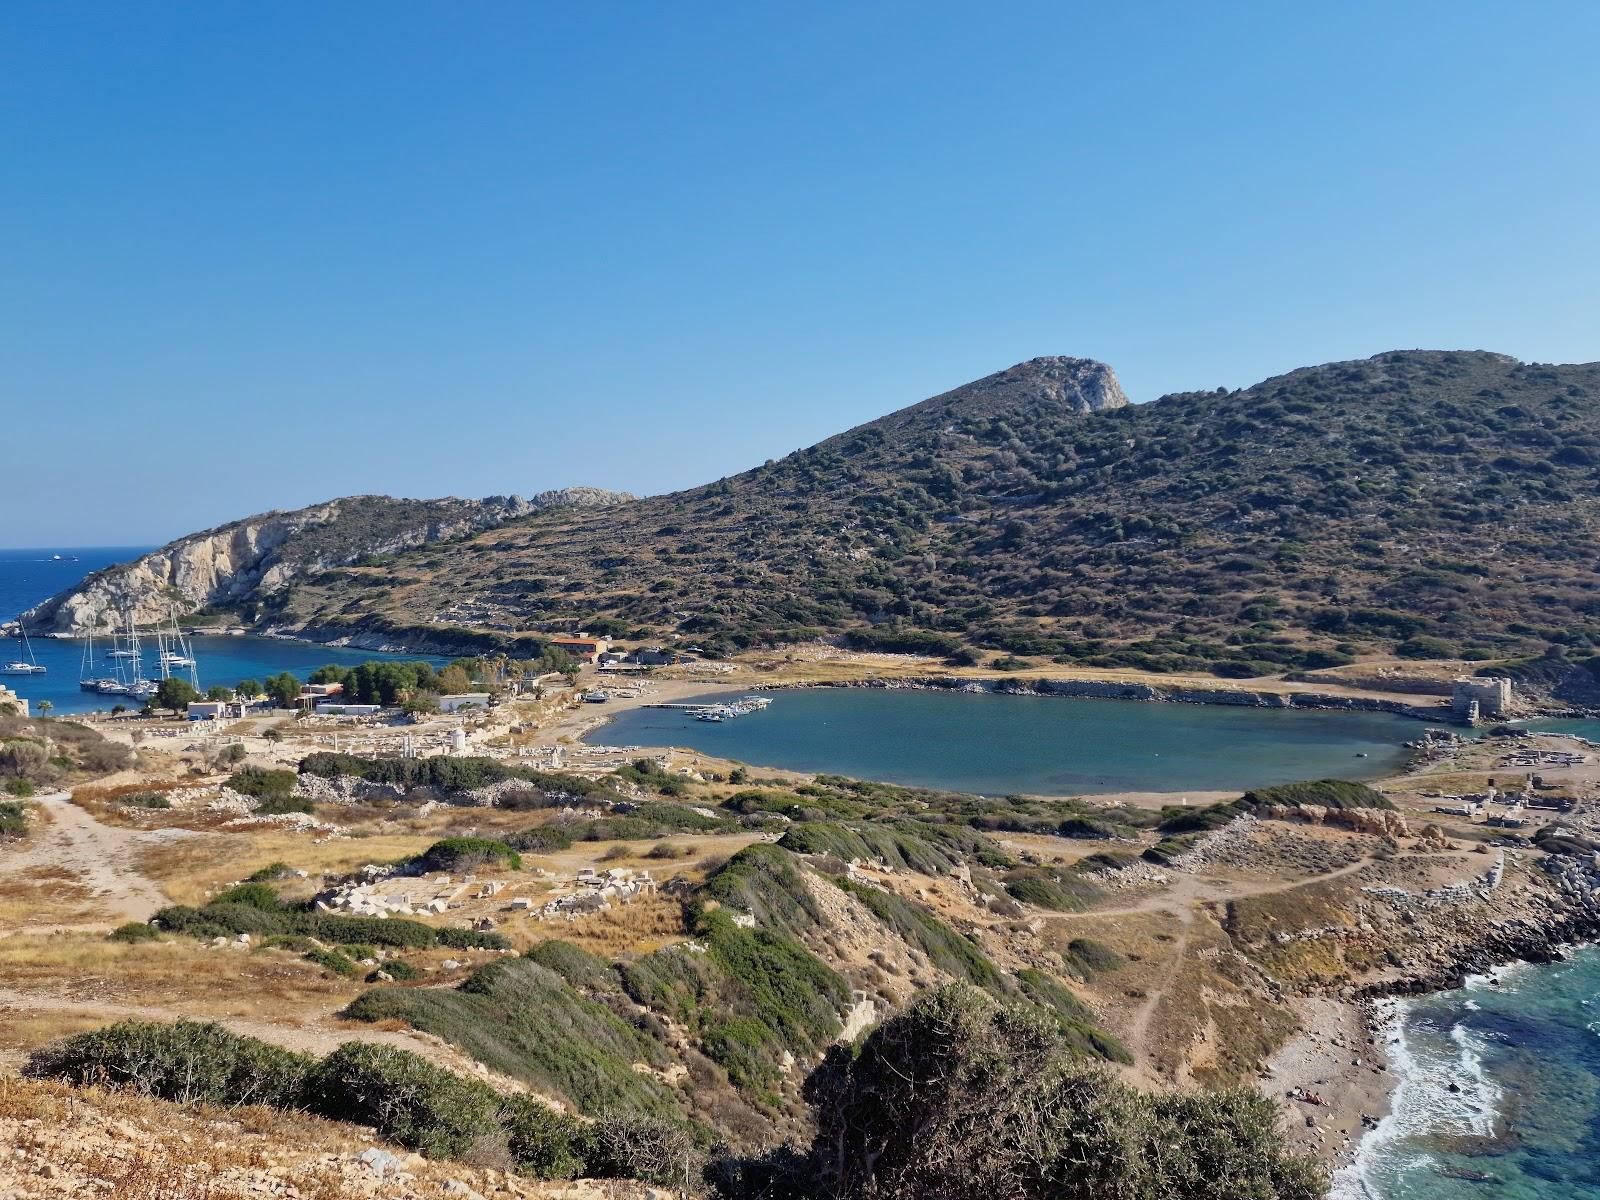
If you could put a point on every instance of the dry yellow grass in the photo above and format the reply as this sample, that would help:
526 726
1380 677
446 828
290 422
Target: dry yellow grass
195 869
183 976
699 850
45 896
638 926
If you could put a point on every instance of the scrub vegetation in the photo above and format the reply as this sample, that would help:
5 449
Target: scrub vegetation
1244 533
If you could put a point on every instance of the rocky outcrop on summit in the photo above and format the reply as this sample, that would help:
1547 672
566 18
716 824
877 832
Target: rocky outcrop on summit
245 561
1054 383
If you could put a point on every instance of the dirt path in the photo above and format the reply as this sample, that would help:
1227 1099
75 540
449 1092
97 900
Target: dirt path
99 857
1191 890
1181 902
1139 1030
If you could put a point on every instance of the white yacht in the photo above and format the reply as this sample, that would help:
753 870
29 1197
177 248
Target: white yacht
24 663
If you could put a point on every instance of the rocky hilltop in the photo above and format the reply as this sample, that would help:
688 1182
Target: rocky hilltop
1438 504
1053 383
1431 504
243 562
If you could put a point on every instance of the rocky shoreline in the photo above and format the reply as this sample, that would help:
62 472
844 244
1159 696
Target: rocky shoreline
1097 689
1359 1083
1517 940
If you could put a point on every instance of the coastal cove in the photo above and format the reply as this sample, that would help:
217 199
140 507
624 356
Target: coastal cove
29 576
999 744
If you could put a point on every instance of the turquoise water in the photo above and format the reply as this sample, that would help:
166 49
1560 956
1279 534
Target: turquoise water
1524 1052
29 576
1584 727
997 744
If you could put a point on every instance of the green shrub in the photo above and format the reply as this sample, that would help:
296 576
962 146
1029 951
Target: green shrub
1168 850
642 772
186 1061
574 964
764 881
255 895
966 1099
13 818
146 800
220 919
544 1143
752 994
1176 819
631 1145
378 931
446 773
1426 647
397 969
405 1098
273 872
262 784
1055 888
932 849
541 839
1091 828
1085 958
815 805
1328 793
273 806
333 960
526 1021
458 854
1079 1032
470 939
135 931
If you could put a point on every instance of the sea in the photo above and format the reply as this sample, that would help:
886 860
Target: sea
1499 1095
1040 745
28 576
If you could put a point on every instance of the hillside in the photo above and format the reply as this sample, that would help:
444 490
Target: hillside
701 1012
1438 503
238 564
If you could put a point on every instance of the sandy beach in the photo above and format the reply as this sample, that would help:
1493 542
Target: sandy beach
1338 1057
581 720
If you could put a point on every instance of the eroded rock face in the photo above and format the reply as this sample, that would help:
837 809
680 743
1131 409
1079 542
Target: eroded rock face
252 558
1380 821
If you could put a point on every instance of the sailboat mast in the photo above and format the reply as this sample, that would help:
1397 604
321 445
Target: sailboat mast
136 658
185 649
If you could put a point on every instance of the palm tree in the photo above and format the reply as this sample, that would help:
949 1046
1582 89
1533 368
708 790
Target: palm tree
44 708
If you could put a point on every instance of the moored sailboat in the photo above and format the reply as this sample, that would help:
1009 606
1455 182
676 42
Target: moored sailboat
25 663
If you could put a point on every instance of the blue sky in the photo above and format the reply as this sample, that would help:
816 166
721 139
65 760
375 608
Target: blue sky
257 255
